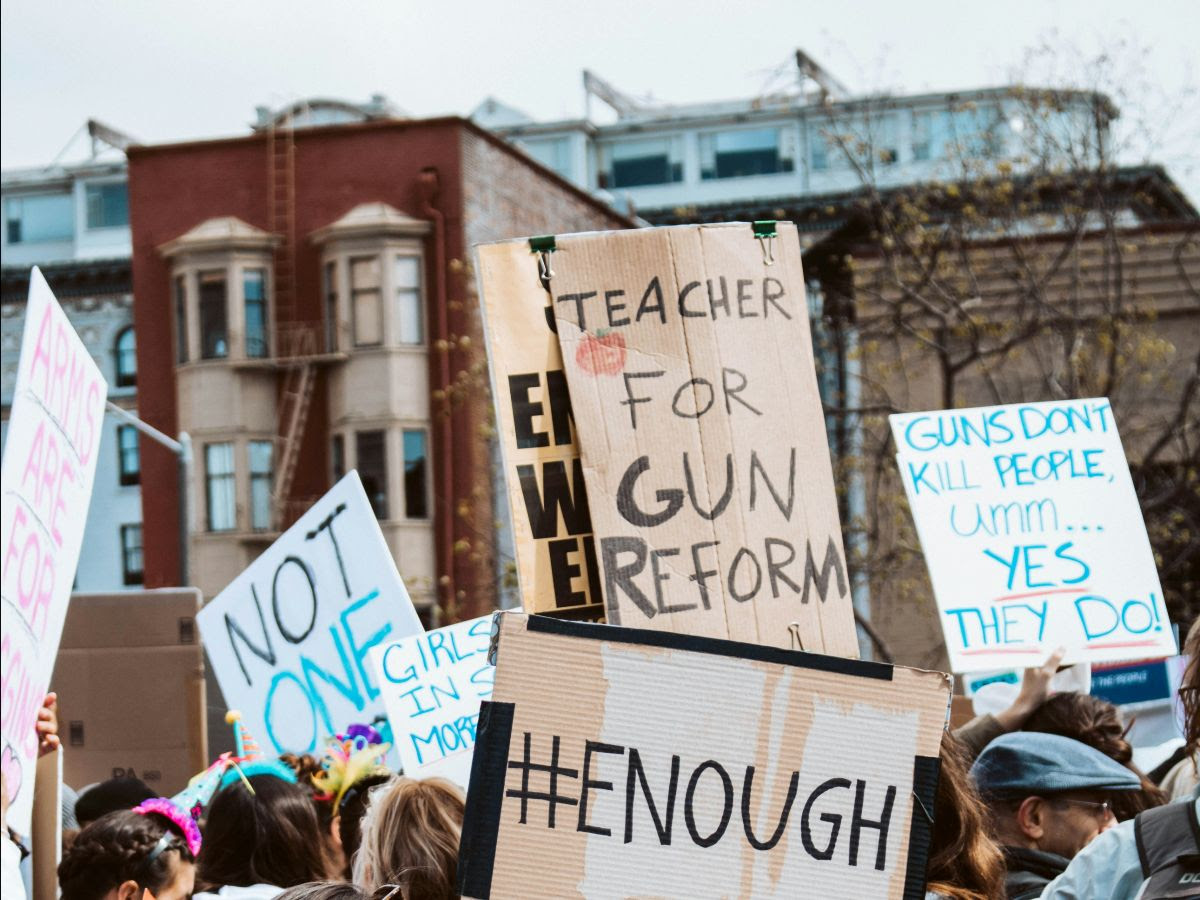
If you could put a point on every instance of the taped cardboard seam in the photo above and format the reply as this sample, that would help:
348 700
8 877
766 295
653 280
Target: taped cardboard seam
481 819
716 646
925 780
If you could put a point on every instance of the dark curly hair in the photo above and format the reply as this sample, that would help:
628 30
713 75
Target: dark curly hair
117 848
1097 723
349 812
268 837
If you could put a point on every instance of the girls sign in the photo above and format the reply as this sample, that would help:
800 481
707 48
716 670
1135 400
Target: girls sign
1032 534
48 469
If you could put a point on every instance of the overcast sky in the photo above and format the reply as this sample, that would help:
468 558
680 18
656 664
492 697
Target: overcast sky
165 70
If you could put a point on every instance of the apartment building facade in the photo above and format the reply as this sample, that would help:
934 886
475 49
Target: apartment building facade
72 220
712 160
306 308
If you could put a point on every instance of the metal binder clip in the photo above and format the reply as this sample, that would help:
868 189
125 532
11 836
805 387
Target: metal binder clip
543 247
794 631
494 639
764 230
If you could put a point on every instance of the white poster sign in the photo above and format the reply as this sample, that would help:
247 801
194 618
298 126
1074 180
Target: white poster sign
48 469
432 685
289 638
1032 533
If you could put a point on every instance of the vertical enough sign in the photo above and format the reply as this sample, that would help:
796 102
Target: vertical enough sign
48 470
1032 533
690 365
288 639
552 530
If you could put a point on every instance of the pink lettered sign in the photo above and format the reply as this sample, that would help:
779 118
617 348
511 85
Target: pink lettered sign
48 469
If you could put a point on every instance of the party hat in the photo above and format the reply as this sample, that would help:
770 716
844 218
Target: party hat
247 758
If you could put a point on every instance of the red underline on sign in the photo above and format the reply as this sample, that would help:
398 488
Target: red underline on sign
1123 644
1041 594
1000 650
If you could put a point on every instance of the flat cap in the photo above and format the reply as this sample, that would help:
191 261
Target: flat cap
1029 762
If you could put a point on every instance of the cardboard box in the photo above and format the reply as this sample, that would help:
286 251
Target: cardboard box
130 683
618 762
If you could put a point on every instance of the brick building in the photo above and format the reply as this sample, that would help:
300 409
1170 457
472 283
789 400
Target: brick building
304 307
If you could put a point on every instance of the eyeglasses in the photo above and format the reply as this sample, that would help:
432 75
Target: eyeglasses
1101 807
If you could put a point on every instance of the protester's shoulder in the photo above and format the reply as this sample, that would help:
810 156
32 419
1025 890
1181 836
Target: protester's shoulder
1106 869
978 733
1181 781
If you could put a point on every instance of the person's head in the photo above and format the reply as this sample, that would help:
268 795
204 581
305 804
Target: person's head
1097 723
109 796
261 831
126 855
964 862
324 890
1048 792
352 806
410 836
340 782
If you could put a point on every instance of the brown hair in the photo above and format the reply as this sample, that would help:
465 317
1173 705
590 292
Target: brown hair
1189 690
1097 723
117 848
964 862
266 837
410 839
323 890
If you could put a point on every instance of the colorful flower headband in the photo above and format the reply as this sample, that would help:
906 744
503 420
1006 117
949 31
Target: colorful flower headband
348 758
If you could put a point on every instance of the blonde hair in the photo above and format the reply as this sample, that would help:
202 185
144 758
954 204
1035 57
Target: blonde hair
410 836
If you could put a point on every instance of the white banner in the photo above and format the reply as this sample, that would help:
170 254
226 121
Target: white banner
48 469
1032 533
432 685
289 638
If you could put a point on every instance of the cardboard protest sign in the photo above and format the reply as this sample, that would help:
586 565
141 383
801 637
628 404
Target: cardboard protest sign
552 530
690 366
432 684
617 762
289 638
46 837
48 469
1032 534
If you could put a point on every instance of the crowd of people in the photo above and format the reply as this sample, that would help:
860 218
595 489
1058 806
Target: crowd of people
1040 800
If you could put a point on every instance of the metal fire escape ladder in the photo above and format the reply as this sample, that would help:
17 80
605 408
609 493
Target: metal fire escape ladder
294 405
294 342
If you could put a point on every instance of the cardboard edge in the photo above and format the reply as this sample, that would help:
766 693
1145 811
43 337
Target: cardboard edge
715 646
485 796
920 836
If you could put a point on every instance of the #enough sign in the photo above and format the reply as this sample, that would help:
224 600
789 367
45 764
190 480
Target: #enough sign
49 466
617 762
288 640
1032 534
